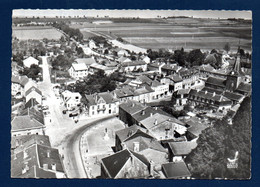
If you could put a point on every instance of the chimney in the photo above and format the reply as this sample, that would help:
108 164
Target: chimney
48 153
136 146
151 114
25 154
133 104
53 167
156 108
214 94
45 166
206 92
26 168
15 157
155 122
151 167
143 112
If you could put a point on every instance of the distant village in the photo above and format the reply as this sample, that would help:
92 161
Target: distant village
163 104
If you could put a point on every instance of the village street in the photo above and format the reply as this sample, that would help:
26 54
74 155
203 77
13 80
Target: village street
63 132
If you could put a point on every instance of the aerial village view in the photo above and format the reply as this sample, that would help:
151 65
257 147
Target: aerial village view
131 94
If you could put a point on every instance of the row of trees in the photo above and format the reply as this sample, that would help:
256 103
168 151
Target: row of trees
218 143
72 33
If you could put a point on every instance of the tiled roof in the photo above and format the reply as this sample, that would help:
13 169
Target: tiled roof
144 143
124 92
33 89
149 122
145 113
133 63
175 78
175 170
216 81
25 123
28 140
79 67
182 148
233 96
183 91
31 60
36 157
23 80
143 90
132 107
87 61
31 103
33 113
244 87
208 95
195 127
116 162
107 97
128 132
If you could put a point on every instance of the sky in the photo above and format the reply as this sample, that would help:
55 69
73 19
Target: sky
222 14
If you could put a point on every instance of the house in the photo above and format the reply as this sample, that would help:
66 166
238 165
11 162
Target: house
125 164
30 61
146 59
124 134
156 67
174 81
29 84
15 68
18 83
33 92
189 77
29 122
92 44
101 104
179 150
160 90
180 97
176 170
164 127
133 66
207 99
107 69
31 103
78 71
168 69
195 128
71 99
128 109
87 61
37 161
18 143
145 144
123 59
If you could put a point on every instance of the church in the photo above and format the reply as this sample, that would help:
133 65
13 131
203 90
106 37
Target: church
234 82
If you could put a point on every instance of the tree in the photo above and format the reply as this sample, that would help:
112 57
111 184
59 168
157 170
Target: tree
221 141
195 57
227 47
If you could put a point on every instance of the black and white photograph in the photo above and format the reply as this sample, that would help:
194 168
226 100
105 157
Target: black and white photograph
131 94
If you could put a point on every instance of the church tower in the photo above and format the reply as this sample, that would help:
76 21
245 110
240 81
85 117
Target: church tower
234 78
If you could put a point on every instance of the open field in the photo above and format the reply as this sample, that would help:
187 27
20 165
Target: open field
176 33
36 33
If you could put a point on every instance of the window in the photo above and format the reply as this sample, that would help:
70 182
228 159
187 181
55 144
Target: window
109 105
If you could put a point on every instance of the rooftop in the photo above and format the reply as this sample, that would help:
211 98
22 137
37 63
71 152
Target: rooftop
116 162
132 107
175 170
79 67
86 61
182 148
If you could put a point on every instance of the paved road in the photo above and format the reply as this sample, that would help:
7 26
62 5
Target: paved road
64 134
73 160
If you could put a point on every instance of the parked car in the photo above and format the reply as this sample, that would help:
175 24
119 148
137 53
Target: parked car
73 114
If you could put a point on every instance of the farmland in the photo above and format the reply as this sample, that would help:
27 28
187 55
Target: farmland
36 33
175 33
